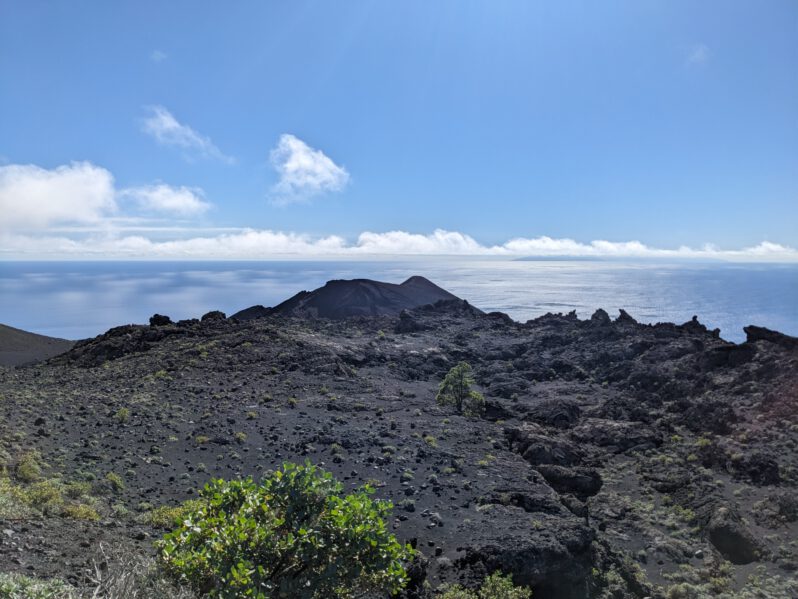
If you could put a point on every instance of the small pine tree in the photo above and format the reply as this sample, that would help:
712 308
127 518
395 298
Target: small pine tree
455 390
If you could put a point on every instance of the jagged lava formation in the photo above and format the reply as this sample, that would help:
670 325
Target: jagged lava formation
614 459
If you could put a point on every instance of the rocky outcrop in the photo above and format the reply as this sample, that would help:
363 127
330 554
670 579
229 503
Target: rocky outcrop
213 315
159 320
732 538
755 333
555 565
617 436
578 481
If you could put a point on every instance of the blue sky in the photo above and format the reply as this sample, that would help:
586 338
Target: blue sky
253 129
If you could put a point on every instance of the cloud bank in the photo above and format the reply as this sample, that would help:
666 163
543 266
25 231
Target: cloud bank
268 244
162 126
304 171
75 211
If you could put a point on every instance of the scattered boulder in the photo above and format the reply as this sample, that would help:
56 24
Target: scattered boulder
624 318
761 469
617 435
729 535
558 413
728 355
530 496
693 326
408 324
600 318
159 320
755 333
538 448
579 481
711 415
554 561
213 315
777 509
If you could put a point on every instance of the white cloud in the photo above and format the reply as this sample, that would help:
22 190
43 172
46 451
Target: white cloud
260 244
34 197
698 54
182 201
82 197
157 56
304 172
401 242
167 130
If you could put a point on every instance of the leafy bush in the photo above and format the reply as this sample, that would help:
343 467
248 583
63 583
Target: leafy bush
122 415
44 495
17 586
28 468
115 481
495 586
12 507
455 390
80 511
294 534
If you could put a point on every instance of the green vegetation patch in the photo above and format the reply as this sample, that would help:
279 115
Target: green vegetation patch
169 516
496 586
455 390
17 586
294 534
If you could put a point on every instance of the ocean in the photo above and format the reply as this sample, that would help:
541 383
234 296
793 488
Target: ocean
75 300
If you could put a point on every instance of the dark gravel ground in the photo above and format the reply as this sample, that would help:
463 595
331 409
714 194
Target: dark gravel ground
614 459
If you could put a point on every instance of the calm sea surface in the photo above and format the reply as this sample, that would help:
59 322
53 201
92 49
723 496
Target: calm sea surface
81 299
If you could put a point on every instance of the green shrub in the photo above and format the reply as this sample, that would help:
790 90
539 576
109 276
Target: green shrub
122 415
28 468
44 495
80 511
116 482
294 534
495 586
17 586
168 516
75 490
12 505
455 390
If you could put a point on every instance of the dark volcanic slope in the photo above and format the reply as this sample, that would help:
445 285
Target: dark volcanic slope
21 347
615 459
358 297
